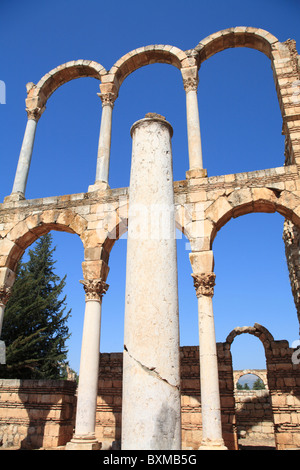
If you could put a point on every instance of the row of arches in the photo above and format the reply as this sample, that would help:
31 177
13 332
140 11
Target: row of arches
188 62
111 80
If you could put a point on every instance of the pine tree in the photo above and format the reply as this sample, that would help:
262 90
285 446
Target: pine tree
258 384
35 322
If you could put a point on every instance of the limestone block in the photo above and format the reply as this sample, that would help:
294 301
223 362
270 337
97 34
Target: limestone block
240 197
219 209
202 262
95 270
7 277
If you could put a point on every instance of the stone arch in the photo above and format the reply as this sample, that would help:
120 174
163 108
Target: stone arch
37 95
261 374
27 231
256 330
149 55
116 224
247 200
240 36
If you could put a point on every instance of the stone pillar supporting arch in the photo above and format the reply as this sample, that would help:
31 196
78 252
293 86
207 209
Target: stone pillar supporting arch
286 71
185 61
37 96
7 279
204 281
84 437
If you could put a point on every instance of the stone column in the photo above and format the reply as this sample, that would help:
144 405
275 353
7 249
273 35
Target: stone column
204 282
190 83
151 375
7 279
84 438
22 171
5 293
103 157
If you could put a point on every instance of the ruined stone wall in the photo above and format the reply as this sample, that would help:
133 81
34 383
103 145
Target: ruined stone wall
36 413
254 414
42 413
265 414
109 404
291 238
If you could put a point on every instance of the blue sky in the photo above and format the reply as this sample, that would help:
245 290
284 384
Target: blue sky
240 127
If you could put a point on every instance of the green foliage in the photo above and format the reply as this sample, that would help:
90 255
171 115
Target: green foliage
258 384
35 320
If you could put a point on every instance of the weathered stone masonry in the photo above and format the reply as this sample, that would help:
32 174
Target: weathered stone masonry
202 205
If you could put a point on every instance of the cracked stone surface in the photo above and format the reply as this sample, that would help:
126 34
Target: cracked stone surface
151 377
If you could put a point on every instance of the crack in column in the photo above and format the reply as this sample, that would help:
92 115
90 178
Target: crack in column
151 370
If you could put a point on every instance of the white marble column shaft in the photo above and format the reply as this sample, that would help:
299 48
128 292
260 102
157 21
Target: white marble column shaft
103 155
22 171
209 373
193 129
151 375
7 277
2 309
89 368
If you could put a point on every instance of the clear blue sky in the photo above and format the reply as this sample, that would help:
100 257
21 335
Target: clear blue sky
240 126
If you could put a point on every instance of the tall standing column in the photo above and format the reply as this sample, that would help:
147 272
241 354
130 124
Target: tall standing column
5 293
204 282
7 279
103 156
23 167
84 438
151 377
190 82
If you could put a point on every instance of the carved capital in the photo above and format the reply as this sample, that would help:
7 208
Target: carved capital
5 293
190 83
34 113
204 284
94 289
108 99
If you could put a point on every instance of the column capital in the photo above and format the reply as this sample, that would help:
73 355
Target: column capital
5 293
94 289
204 283
190 78
190 83
108 99
35 113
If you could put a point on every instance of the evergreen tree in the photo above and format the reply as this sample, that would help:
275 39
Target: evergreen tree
258 384
35 322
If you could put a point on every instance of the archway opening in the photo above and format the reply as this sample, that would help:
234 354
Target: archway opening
151 88
253 409
250 381
67 257
66 142
252 279
239 113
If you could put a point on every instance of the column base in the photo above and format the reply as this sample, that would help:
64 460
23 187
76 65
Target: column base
208 444
14 197
83 443
98 186
196 173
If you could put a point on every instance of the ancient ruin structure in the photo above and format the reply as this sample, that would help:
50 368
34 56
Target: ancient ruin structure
199 206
